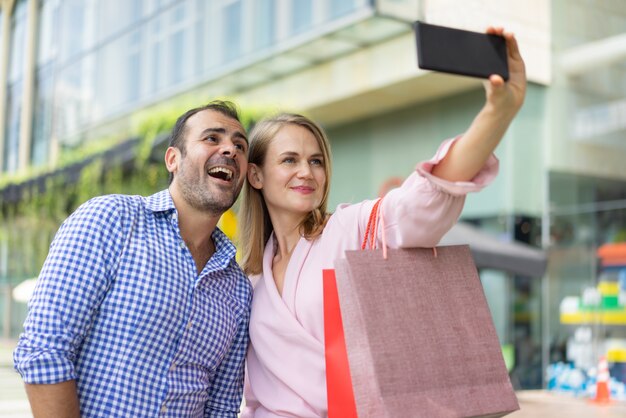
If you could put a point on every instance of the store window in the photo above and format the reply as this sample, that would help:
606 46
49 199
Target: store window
515 302
586 214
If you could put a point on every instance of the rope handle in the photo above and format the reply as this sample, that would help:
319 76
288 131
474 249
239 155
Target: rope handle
372 229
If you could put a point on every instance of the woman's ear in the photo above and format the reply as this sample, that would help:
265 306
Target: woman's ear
255 177
172 159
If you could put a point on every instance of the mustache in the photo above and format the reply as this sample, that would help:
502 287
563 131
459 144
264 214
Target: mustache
222 160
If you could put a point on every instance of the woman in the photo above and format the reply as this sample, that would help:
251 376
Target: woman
290 237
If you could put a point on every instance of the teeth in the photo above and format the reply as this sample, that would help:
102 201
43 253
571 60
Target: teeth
215 170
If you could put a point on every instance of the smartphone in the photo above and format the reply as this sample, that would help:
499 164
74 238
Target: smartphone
457 51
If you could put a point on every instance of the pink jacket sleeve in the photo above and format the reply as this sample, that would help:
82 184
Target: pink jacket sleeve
425 207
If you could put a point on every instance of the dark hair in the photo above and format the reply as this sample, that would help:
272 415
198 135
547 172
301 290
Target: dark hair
177 137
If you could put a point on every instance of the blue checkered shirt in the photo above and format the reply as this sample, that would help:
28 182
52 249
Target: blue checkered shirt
120 308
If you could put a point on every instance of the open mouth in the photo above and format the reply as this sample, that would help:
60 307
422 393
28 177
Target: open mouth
221 173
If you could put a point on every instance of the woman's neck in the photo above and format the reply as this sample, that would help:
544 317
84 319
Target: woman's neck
286 234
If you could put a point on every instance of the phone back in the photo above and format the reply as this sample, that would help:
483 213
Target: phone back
459 51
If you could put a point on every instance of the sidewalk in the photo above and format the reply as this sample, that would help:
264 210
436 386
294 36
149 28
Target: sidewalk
13 402
533 403
540 403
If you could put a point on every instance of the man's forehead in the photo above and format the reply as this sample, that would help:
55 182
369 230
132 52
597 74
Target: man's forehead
214 120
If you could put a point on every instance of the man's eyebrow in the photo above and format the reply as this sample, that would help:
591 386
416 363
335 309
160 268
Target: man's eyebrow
223 132
240 135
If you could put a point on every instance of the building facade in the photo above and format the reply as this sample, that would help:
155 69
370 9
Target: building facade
74 71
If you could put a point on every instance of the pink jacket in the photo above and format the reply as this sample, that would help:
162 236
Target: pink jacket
286 374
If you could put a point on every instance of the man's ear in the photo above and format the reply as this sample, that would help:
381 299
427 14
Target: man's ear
255 177
172 159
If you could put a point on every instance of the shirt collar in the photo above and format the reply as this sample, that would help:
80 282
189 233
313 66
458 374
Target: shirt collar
223 245
160 202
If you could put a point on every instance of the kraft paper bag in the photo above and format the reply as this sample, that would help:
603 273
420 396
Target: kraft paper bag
419 335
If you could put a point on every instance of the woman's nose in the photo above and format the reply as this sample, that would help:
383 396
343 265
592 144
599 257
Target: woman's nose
304 170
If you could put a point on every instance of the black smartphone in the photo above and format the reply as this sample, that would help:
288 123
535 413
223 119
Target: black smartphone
458 51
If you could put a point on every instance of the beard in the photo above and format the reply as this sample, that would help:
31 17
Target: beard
211 198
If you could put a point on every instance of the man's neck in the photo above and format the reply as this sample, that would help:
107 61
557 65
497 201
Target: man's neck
196 226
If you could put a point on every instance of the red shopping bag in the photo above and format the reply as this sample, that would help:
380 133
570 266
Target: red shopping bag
338 382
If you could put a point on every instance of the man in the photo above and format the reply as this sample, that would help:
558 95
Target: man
140 308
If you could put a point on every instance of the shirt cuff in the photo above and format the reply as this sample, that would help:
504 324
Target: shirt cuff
484 177
42 366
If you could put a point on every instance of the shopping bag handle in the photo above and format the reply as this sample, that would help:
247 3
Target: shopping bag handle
372 229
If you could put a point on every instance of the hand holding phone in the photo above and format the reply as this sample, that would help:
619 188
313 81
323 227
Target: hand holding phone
457 51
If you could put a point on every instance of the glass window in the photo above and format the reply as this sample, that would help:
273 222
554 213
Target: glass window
115 16
232 31
77 27
1 28
201 47
157 54
134 67
48 24
43 101
158 61
177 60
42 116
75 98
583 307
301 15
14 87
339 8
180 63
12 133
111 72
265 21
18 39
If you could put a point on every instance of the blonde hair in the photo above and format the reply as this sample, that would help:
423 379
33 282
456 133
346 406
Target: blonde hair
256 226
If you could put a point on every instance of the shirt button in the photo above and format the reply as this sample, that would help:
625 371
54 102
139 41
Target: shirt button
173 366
189 325
182 245
163 408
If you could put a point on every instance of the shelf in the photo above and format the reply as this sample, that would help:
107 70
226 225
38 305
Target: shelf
605 318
